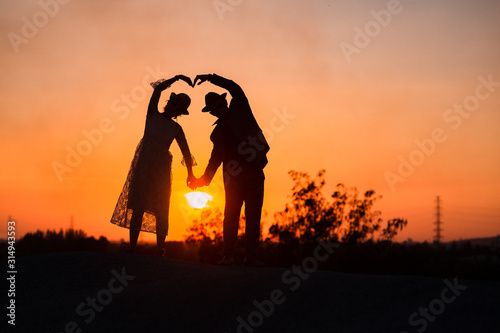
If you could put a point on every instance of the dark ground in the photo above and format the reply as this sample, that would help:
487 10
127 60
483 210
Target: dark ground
54 290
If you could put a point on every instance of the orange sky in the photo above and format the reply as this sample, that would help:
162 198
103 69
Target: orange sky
326 95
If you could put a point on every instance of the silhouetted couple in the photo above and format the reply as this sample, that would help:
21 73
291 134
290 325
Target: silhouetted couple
238 144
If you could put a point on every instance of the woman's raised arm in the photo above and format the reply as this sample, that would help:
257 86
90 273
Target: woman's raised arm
158 89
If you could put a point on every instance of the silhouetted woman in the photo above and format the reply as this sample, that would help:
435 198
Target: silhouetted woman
145 199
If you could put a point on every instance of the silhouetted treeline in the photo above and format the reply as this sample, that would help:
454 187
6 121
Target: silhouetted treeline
56 241
71 240
447 260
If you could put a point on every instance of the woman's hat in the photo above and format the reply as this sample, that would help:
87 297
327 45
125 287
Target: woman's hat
183 100
210 99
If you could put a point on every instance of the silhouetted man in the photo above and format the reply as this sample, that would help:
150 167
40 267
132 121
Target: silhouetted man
238 143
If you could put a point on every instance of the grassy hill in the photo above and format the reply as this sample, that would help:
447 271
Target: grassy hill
119 292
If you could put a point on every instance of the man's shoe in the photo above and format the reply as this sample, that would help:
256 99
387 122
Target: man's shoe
226 262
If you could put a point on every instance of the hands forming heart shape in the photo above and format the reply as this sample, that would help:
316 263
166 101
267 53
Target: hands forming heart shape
201 78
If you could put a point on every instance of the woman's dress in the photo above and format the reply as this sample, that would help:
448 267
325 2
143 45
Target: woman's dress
149 182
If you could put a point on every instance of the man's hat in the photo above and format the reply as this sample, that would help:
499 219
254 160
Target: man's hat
183 100
211 99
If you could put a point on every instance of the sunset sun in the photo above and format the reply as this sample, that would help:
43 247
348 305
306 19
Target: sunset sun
198 199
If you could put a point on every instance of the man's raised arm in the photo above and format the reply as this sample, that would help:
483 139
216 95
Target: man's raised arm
231 86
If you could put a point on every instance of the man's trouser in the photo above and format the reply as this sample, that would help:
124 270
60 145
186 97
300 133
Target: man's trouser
247 188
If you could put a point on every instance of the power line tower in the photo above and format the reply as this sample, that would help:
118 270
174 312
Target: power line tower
438 222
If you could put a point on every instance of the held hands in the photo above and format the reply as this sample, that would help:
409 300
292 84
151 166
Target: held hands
193 182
